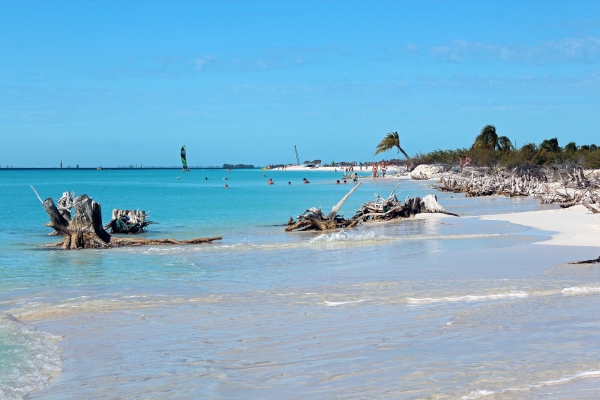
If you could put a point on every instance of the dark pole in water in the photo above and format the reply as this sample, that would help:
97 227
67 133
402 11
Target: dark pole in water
297 159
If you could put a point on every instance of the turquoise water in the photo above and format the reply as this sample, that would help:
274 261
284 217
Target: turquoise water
451 307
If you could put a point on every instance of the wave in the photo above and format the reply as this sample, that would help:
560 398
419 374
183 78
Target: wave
581 290
344 236
586 374
560 381
477 394
29 357
341 303
575 290
481 297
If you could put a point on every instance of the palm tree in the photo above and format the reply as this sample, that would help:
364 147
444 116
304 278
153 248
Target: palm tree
390 141
550 145
504 144
571 147
487 139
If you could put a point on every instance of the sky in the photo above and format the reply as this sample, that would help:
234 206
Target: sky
128 83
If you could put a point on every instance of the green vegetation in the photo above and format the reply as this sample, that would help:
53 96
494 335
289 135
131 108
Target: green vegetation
390 141
238 166
492 150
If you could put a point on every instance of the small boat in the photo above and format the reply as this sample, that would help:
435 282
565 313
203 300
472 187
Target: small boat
184 160
99 168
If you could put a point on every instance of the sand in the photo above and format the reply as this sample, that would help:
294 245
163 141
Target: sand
574 226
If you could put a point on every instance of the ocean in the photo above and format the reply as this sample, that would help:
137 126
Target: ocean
436 308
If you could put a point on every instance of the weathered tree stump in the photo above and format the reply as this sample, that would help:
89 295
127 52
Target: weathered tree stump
84 230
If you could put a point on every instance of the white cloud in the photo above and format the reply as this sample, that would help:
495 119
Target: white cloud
583 49
203 61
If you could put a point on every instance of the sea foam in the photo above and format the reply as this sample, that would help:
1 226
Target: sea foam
344 236
581 290
341 303
481 297
29 358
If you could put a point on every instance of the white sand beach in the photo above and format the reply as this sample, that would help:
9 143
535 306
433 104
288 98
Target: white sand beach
574 226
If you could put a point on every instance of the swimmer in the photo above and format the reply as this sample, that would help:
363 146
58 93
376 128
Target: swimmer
337 182
289 183
345 182
271 181
177 178
204 178
305 180
226 186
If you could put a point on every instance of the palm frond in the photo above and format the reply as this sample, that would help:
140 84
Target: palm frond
504 144
390 141
488 138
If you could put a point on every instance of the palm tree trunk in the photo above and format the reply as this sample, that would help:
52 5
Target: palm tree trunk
403 152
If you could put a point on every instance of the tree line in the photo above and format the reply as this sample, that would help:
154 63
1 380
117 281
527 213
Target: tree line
490 149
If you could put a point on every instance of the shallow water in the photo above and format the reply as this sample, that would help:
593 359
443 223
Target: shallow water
434 308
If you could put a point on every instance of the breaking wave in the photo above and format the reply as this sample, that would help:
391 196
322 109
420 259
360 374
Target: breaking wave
29 358
581 290
497 296
567 379
341 303
344 236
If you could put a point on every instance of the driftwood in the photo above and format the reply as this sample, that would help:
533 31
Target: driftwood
314 219
419 177
128 221
391 208
592 261
84 230
378 210
497 183
566 185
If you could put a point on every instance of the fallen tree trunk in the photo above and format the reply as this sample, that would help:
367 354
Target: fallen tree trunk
592 261
133 242
85 231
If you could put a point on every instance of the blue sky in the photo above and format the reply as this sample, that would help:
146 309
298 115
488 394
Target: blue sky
120 83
